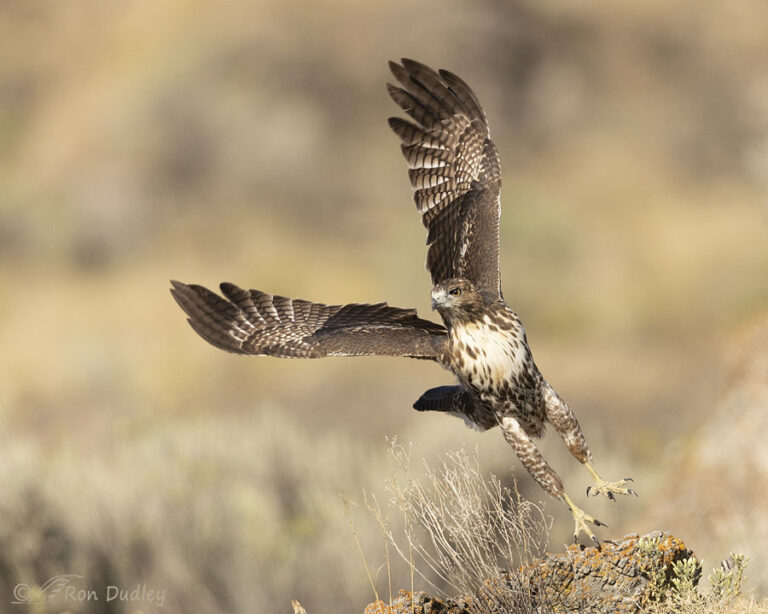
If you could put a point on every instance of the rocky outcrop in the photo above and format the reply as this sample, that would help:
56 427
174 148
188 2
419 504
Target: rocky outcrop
619 577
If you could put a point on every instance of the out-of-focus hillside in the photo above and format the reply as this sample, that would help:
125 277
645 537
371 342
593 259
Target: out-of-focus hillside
246 141
721 472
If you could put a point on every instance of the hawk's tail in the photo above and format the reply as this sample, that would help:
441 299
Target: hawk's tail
445 398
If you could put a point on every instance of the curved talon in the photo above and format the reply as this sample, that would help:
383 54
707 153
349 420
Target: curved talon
588 489
581 521
628 480
632 492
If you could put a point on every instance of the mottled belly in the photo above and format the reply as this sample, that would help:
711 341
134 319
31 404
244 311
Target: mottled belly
497 366
485 357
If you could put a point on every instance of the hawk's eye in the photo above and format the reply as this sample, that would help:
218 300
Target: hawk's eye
455 292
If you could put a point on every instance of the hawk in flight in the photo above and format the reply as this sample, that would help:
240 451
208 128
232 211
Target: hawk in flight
454 170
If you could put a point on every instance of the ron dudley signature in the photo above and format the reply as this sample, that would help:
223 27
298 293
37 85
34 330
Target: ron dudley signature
72 588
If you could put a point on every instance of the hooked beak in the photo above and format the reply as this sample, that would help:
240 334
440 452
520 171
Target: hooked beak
438 298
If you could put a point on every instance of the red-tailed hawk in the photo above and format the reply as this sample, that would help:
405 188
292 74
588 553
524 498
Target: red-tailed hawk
454 170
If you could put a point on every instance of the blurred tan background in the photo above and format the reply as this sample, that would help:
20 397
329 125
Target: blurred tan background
246 141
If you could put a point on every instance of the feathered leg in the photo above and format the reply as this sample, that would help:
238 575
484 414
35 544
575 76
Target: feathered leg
546 477
565 423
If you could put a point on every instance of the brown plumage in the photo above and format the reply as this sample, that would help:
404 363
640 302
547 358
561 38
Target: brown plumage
260 324
455 174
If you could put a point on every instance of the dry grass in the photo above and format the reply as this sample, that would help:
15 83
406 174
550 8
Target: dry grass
223 514
743 605
461 527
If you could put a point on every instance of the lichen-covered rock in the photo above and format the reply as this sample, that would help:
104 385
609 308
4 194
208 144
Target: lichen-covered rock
417 603
618 577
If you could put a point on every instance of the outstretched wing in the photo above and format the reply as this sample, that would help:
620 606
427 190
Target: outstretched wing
254 322
455 173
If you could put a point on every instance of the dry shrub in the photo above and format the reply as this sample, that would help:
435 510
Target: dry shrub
222 513
724 595
692 605
461 528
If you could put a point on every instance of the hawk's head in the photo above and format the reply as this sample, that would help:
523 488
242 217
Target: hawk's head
456 297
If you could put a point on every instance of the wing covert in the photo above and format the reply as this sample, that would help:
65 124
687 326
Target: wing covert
454 171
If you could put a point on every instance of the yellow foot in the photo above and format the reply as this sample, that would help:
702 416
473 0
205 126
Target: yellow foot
609 489
581 520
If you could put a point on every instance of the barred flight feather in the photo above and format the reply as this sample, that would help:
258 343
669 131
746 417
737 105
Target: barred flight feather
452 165
254 322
